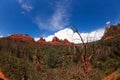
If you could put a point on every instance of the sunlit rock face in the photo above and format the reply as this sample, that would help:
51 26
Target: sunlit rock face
26 38
57 41
2 76
21 37
111 32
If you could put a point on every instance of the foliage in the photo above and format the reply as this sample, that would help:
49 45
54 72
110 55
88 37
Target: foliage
107 57
31 61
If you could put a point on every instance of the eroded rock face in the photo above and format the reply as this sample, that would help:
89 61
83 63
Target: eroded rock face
55 42
111 32
21 37
55 39
42 41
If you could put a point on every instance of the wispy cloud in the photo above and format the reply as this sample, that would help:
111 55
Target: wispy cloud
25 5
61 15
67 33
20 1
108 23
59 19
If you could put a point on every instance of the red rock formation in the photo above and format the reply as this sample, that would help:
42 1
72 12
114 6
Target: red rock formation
109 37
21 37
111 32
2 76
55 39
42 41
113 76
65 41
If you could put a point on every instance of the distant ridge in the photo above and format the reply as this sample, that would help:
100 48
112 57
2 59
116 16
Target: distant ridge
26 38
21 37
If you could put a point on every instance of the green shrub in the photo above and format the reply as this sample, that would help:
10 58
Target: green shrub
52 58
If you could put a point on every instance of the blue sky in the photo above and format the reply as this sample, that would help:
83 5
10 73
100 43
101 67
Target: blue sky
47 17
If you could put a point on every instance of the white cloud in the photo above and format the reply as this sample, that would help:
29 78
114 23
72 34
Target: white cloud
73 37
59 19
108 22
25 5
49 38
61 15
91 36
62 34
36 39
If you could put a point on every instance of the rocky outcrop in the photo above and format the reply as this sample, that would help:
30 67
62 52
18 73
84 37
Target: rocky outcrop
55 39
21 37
55 42
26 38
65 41
111 32
42 41
2 76
113 76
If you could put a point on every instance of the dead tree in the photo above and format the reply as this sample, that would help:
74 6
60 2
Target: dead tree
84 44
84 58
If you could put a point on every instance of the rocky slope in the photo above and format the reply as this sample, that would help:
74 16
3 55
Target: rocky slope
111 32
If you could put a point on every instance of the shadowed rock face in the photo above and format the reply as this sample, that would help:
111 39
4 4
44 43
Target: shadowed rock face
21 37
111 32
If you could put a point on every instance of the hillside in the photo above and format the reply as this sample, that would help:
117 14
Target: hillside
21 58
112 31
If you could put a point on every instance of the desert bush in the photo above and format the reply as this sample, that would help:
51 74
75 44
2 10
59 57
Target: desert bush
51 57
